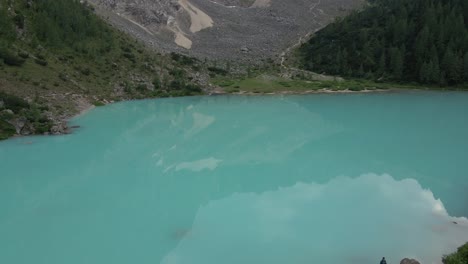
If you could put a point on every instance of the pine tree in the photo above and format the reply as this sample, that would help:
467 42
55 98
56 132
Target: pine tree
382 65
399 31
361 71
424 73
435 69
448 64
410 32
421 48
338 62
396 63
434 76
457 70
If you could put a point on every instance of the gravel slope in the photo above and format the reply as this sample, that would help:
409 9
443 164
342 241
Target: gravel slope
244 30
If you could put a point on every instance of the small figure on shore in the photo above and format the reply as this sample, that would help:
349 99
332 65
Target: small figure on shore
383 261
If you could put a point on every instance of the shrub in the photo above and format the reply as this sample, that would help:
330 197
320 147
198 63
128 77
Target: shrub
10 58
182 59
141 87
41 128
63 77
459 257
86 71
355 88
18 19
41 62
176 85
129 56
13 102
217 70
193 88
6 130
98 103
177 73
40 56
23 54
156 82
226 83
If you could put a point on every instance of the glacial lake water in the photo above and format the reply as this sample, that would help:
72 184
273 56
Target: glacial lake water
321 178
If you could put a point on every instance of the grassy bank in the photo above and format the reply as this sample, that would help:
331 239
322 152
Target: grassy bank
272 84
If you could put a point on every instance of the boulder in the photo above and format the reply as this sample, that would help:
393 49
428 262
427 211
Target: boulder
409 261
245 49
7 111
18 123
59 129
28 129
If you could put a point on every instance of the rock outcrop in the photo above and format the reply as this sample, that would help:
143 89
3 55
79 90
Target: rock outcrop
409 261
22 126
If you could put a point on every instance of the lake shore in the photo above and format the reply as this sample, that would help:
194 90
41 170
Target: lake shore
83 104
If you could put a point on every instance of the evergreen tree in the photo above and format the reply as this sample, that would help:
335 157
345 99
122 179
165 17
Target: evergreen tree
434 76
382 64
424 73
361 71
396 38
396 63
7 33
435 68
452 66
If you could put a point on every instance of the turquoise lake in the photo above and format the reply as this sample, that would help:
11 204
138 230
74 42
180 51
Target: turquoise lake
323 178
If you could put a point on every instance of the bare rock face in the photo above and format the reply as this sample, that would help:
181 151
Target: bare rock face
59 128
22 126
409 261
222 29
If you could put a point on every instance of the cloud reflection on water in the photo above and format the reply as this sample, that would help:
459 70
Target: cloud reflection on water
343 221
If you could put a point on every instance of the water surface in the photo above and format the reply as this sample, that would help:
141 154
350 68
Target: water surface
267 179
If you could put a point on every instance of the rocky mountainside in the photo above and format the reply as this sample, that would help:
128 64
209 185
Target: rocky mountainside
222 29
58 58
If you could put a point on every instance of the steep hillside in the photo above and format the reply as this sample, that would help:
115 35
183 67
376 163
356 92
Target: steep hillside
57 58
242 30
423 41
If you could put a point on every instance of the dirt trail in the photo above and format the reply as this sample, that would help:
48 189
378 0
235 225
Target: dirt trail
301 40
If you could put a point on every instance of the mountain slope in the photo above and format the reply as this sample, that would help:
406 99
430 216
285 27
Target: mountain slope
57 57
423 41
245 30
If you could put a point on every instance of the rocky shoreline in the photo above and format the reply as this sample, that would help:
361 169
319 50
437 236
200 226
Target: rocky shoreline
57 120
82 104
319 91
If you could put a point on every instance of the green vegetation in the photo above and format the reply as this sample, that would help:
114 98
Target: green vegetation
13 107
424 41
272 84
6 130
54 51
459 257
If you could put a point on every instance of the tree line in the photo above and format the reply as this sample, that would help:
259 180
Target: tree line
424 41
